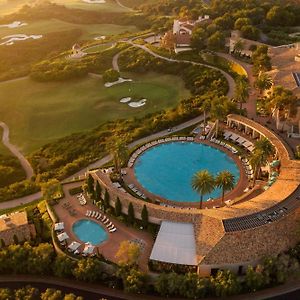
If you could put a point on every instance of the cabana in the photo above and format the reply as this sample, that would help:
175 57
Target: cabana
74 246
62 237
59 226
88 249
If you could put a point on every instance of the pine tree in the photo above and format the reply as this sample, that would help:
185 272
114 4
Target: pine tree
98 191
90 184
130 214
106 200
118 207
145 220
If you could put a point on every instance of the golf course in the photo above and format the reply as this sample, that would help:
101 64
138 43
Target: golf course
38 113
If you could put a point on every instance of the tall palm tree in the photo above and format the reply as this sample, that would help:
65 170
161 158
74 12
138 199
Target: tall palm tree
225 180
257 160
203 183
241 93
263 82
265 146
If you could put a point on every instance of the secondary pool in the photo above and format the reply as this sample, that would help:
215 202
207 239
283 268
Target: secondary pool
89 231
166 170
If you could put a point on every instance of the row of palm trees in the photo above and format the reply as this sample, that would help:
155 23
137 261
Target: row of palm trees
203 182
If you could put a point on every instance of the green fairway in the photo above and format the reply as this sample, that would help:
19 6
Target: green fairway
38 113
89 30
108 6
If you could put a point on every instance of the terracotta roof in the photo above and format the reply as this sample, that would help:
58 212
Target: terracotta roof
183 39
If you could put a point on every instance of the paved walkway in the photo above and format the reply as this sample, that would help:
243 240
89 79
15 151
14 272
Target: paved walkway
16 152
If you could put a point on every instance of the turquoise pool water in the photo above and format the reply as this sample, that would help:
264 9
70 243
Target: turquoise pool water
89 231
167 169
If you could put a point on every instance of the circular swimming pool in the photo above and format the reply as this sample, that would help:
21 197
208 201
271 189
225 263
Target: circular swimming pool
166 170
89 231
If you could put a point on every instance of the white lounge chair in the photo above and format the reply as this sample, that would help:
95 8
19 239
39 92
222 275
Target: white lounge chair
113 230
96 215
106 221
99 216
109 224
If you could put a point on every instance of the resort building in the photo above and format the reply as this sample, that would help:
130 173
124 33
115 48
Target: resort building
233 236
181 33
286 72
16 224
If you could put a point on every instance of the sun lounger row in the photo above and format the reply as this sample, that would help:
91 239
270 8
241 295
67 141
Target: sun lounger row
81 199
247 167
154 143
135 190
221 143
98 216
239 139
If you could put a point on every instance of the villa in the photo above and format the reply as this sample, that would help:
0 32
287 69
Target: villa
181 33
16 224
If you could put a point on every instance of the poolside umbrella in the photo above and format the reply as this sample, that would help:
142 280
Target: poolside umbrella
59 226
63 236
74 246
88 248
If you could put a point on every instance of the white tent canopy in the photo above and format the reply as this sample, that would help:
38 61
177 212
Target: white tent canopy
175 243
63 236
88 249
59 226
74 246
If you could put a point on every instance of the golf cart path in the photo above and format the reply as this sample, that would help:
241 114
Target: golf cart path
15 151
230 80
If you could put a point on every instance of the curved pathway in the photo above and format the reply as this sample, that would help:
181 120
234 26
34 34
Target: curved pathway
230 80
123 6
15 151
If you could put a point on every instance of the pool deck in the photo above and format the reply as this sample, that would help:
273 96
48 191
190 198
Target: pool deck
242 184
109 247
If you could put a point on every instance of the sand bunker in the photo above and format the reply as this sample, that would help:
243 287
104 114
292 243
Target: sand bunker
14 24
100 38
11 39
125 99
94 1
120 80
140 103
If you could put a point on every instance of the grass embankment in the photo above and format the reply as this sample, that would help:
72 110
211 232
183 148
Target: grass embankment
38 113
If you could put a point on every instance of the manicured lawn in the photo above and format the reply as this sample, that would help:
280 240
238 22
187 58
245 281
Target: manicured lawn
97 48
46 26
38 113
108 6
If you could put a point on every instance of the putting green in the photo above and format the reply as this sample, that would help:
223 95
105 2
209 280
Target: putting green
46 26
37 113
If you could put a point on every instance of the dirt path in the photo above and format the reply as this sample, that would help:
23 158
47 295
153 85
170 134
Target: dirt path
15 151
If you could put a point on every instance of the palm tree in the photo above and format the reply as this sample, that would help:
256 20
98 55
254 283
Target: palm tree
265 146
263 82
257 160
225 180
241 93
203 183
